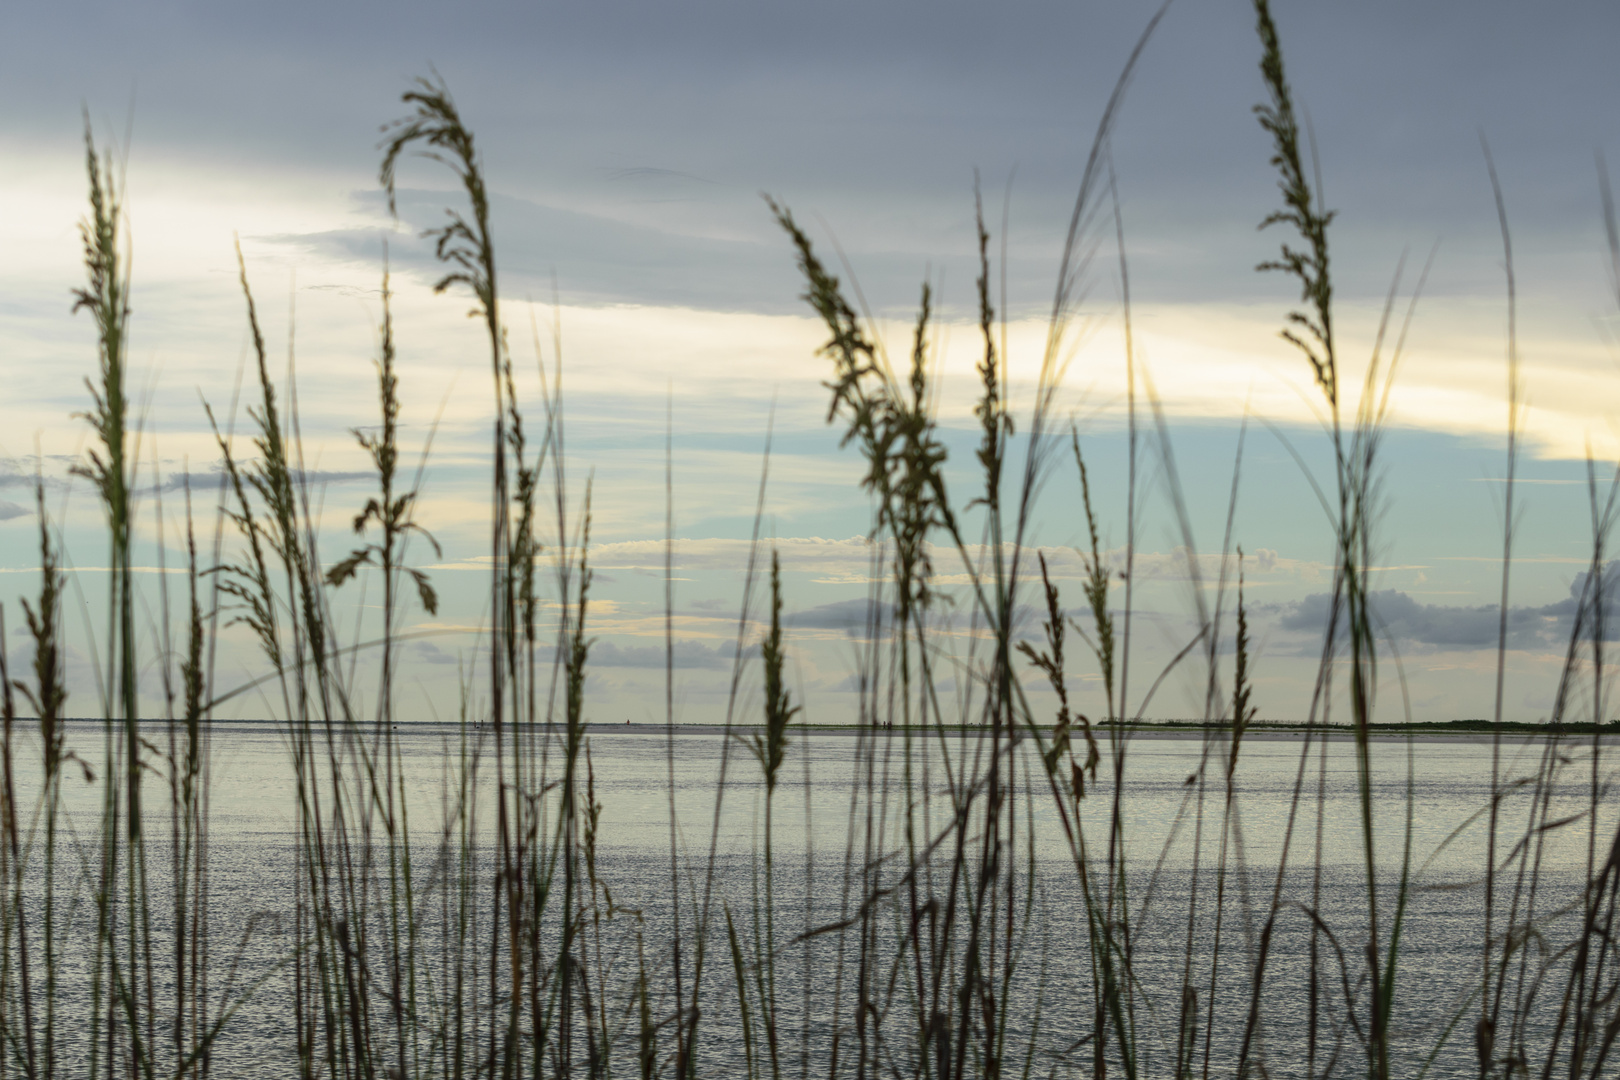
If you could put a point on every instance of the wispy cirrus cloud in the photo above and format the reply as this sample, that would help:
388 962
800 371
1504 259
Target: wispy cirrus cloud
843 560
856 561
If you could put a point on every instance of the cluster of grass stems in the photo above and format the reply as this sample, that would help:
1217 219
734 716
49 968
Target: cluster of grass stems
486 943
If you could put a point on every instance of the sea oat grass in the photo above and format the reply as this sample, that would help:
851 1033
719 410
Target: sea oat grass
987 909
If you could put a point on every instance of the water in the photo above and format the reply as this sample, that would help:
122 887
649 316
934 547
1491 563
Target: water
1436 788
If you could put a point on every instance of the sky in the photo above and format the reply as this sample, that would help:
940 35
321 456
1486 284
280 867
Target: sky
627 146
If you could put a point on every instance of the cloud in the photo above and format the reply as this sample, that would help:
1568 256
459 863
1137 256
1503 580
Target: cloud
845 560
1180 564
610 654
602 260
851 561
1443 626
688 654
425 652
848 615
23 473
15 474
10 510
644 104
1463 627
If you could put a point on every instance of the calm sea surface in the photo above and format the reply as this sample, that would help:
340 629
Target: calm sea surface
1435 788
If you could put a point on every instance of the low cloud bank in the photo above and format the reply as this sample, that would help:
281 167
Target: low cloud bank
1445 626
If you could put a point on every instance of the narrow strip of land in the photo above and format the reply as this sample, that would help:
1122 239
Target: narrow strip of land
1471 731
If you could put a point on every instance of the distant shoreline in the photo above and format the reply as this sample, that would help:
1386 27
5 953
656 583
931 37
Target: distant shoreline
1471 731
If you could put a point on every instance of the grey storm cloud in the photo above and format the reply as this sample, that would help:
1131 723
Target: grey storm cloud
643 131
1445 626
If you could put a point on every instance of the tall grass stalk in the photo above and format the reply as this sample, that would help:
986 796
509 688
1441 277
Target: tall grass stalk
1490 1004
39 1036
111 468
1311 331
